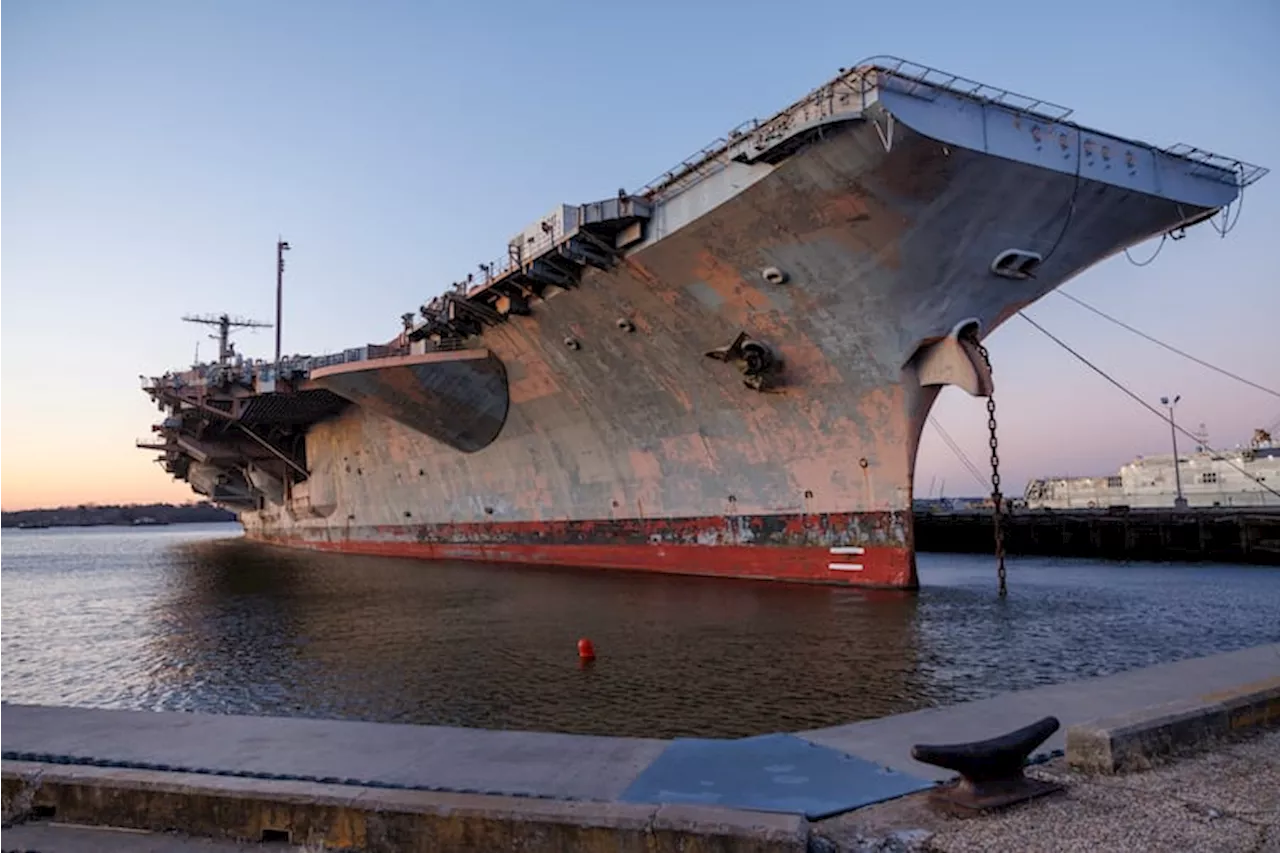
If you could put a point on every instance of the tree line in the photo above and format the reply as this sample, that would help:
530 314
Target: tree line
88 515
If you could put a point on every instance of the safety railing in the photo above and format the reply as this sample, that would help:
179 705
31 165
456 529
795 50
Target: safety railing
912 77
260 370
699 161
916 78
446 345
1226 170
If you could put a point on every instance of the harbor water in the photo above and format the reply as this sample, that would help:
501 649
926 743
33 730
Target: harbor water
194 618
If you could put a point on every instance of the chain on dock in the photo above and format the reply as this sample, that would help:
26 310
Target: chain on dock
997 500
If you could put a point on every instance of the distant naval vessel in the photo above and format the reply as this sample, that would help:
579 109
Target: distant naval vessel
1201 478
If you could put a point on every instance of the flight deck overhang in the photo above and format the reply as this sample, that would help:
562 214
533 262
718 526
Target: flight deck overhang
459 398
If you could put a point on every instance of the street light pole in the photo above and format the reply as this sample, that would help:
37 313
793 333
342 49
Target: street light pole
281 246
1179 502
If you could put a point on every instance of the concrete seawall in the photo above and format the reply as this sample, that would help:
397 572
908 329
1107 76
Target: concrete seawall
1224 535
1142 739
352 818
377 787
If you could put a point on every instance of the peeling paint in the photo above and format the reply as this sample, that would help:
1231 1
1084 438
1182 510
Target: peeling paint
795 548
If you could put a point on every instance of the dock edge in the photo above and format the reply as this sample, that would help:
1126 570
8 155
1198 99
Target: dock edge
1147 737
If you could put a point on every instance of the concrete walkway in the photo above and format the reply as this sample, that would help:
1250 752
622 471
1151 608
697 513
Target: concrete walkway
560 766
888 740
437 758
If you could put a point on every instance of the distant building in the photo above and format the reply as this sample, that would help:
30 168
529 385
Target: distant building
1225 478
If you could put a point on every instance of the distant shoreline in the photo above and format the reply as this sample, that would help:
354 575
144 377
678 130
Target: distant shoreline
131 515
9 527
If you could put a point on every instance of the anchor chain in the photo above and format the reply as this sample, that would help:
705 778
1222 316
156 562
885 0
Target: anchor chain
997 500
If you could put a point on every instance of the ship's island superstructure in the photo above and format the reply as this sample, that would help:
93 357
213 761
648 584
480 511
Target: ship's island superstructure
724 373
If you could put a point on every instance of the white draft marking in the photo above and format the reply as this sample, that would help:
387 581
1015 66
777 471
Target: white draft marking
845 567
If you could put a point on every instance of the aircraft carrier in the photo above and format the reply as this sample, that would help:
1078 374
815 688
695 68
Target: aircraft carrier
725 372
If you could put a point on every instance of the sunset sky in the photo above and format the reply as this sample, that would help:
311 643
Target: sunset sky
153 151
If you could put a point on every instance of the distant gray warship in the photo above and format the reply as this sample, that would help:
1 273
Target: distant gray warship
1202 477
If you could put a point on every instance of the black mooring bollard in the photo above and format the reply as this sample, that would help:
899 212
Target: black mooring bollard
990 770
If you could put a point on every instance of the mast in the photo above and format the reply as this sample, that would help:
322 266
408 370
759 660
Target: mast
225 324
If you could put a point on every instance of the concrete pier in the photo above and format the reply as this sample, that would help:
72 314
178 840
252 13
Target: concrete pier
1232 535
376 786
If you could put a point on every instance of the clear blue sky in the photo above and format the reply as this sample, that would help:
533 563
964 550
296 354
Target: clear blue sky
153 151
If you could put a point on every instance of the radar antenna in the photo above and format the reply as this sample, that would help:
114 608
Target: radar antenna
1202 438
225 324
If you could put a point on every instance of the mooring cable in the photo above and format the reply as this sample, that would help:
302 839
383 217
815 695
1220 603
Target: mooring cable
1144 403
1169 347
959 453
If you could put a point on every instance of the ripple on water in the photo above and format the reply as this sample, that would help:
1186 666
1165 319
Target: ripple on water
193 618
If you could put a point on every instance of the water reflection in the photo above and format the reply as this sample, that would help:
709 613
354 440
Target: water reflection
194 619
226 634
266 630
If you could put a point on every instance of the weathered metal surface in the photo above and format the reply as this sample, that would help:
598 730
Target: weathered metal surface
883 251
812 548
851 258
990 770
457 398
954 361
880 568
818 530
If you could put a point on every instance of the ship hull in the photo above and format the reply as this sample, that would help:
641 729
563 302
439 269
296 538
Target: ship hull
624 441
781 548
607 425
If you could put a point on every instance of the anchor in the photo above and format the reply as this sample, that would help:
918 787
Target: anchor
758 362
990 770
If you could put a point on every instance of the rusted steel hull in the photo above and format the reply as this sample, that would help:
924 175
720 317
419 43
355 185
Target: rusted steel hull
757 547
591 428
633 439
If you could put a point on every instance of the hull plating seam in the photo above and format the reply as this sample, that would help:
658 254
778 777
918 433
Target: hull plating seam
801 548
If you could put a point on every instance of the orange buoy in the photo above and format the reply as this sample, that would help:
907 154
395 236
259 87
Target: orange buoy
586 651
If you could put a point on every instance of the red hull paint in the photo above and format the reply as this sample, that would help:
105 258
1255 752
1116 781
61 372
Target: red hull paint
831 548
881 567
